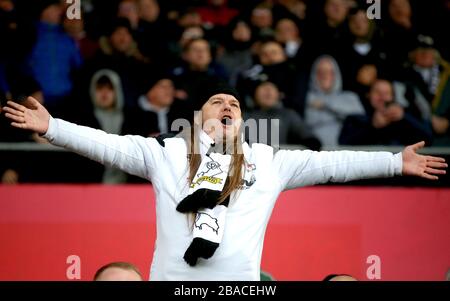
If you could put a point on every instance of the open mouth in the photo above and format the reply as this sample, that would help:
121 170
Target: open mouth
227 120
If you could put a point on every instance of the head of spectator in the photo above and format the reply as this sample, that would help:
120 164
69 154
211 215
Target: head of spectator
381 94
128 9
261 17
325 75
361 28
191 33
288 33
366 75
189 17
106 91
6 5
197 54
239 36
118 271
339 277
296 7
120 37
161 92
336 12
74 28
148 10
286 30
400 12
271 53
425 55
51 12
267 96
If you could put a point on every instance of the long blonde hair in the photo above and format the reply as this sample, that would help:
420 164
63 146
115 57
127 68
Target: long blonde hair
234 178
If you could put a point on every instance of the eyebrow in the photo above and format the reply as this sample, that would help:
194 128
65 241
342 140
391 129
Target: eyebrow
222 99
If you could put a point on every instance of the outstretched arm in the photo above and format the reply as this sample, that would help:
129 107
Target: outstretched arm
133 154
303 168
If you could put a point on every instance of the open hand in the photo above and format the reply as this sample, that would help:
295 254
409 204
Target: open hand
427 167
29 116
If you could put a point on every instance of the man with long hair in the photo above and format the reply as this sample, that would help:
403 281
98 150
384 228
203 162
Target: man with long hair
214 192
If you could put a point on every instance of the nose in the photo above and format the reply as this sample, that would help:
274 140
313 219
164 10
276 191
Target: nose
227 107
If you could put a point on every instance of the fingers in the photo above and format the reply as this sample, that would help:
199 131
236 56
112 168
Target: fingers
434 171
19 125
15 118
32 102
437 164
16 106
429 177
13 111
418 145
434 159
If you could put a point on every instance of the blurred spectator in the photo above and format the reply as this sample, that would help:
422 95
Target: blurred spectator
326 31
128 9
54 57
160 108
273 66
217 13
399 26
387 124
10 177
327 105
261 21
288 34
119 52
152 32
291 128
362 46
431 75
75 29
197 71
108 114
118 271
237 53
291 9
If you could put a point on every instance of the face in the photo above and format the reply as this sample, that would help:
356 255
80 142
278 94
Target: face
336 10
272 53
325 74
190 19
162 93
286 30
121 39
105 97
242 32
267 95
367 75
359 24
6 5
149 10
198 55
128 9
73 27
118 274
52 14
425 58
399 9
221 116
380 93
262 17
191 33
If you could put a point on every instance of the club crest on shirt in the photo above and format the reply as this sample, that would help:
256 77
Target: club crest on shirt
213 169
249 176
204 219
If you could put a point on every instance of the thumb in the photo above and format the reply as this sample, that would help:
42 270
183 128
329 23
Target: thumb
32 102
418 145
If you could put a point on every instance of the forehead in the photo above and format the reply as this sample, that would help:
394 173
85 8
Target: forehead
222 96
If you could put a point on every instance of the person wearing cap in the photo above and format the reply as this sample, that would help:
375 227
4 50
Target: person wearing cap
430 74
214 192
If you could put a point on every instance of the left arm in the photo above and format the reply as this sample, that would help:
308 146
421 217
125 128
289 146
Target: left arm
303 168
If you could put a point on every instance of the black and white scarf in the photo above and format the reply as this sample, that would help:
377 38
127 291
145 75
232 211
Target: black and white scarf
204 193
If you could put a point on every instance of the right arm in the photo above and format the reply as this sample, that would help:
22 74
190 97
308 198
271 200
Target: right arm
133 154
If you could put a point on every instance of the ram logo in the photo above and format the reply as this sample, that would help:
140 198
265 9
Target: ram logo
204 219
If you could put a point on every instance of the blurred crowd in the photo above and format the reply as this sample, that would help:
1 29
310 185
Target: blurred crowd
329 73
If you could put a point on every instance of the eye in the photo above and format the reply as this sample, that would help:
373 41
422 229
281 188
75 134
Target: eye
235 105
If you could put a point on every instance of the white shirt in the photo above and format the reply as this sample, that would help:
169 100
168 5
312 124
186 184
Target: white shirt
266 174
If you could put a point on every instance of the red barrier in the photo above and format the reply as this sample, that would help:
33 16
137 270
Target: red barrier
313 231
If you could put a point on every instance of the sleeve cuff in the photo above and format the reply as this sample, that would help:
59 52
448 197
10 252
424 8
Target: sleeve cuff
398 164
51 131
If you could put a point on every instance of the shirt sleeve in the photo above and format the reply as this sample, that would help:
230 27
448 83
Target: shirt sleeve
303 168
135 155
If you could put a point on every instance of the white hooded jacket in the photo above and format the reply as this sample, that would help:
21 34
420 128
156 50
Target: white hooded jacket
267 173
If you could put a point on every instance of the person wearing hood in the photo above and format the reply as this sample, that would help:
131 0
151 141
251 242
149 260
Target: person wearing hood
215 193
327 105
109 114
